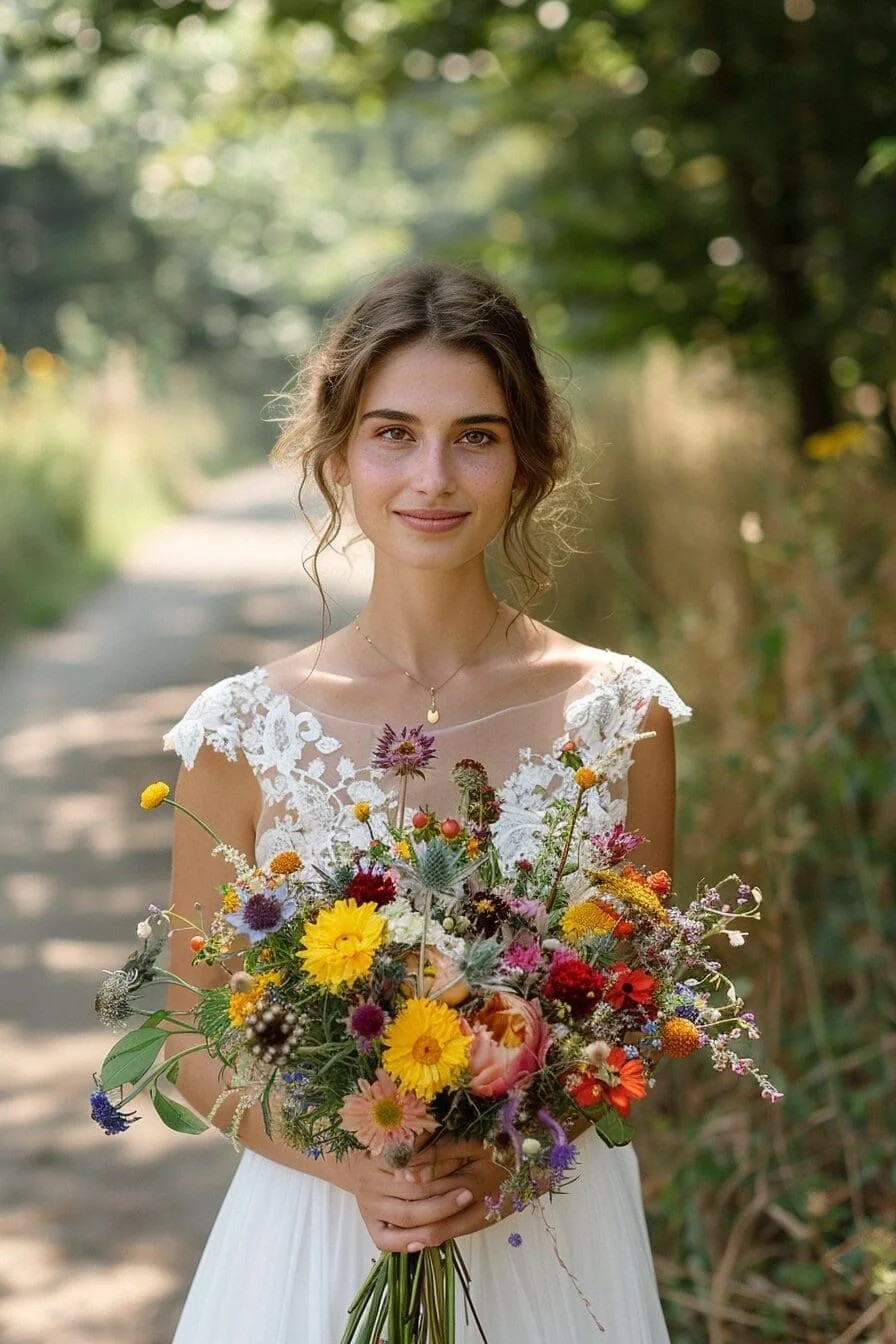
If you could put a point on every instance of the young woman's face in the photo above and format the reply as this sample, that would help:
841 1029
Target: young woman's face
431 461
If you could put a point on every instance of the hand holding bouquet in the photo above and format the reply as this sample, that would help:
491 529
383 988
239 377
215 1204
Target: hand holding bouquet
419 989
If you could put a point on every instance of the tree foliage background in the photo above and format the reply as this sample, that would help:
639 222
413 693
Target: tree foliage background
694 200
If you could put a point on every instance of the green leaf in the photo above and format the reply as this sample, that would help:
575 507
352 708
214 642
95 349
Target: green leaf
176 1116
171 1074
614 1131
130 1057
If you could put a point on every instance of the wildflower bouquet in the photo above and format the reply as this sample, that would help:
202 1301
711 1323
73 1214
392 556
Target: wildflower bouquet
416 987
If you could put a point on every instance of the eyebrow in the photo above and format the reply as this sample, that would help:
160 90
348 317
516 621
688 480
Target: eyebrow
385 414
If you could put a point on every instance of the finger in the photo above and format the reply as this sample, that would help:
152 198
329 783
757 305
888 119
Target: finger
421 1213
431 1171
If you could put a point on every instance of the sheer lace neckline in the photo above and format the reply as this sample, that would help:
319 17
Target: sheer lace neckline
588 679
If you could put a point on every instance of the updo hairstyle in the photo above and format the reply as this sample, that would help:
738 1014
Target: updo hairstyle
462 310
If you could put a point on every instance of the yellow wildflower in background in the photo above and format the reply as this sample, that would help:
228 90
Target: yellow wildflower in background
426 1050
242 1004
339 945
361 811
154 795
402 850
849 437
286 862
585 778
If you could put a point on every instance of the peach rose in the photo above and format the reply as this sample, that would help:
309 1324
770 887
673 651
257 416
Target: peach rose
510 1040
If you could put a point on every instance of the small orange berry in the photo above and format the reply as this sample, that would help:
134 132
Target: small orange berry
450 828
197 942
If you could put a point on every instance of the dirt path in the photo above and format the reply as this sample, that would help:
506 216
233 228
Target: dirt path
98 1236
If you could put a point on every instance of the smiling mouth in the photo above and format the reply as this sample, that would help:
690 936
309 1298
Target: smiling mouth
429 515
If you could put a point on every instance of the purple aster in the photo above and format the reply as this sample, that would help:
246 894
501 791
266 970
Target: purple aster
407 752
108 1116
262 912
366 1023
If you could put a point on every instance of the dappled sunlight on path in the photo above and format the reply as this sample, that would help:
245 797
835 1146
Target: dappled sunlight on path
98 1236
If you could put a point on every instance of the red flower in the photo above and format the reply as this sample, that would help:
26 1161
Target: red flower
576 984
624 1083
630 989
369 885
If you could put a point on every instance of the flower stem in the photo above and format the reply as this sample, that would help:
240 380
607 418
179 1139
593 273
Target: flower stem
552 894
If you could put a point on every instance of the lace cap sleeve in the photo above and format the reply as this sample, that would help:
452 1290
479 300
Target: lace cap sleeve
217 718
645 682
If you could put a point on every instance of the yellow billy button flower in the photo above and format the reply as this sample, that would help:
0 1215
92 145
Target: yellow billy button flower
286 862
679 1037
154 795
338 946
585 778
402 850
426 1048
361 811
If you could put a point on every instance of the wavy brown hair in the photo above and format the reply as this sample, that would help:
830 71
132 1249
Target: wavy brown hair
461 309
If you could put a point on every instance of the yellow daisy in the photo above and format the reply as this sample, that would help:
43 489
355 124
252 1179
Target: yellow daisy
339 945
426 1050
286 862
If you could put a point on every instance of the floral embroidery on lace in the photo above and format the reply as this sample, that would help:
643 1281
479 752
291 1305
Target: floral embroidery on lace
308 795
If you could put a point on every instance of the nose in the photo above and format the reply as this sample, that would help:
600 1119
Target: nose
433 469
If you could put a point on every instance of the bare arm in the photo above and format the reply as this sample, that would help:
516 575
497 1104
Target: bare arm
651 791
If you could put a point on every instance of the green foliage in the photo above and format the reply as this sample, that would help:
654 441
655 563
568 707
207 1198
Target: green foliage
175 1115
765 590
86 466
663 168
131 1057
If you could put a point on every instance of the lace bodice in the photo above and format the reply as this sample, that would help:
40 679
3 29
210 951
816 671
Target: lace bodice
312 768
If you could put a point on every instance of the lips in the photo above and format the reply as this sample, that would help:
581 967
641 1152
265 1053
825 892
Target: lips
429 515
431 520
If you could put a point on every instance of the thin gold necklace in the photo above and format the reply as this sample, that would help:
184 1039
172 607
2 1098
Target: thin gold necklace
432 714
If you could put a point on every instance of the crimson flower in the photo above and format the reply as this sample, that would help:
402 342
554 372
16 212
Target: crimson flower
576 984
369 884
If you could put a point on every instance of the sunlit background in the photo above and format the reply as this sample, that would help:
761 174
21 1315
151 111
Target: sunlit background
694 203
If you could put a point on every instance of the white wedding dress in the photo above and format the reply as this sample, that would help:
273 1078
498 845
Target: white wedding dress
288 1251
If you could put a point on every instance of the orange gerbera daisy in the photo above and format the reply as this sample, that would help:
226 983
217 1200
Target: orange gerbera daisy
620 1082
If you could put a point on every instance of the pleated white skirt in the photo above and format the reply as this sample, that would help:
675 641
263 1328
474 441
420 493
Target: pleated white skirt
288 1252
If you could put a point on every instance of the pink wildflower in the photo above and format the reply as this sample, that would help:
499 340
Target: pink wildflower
380 1116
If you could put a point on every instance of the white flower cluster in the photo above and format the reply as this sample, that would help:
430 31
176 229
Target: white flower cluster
405 925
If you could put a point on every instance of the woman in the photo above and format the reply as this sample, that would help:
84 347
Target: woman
426 407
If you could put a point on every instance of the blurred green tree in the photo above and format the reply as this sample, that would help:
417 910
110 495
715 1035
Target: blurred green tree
709 170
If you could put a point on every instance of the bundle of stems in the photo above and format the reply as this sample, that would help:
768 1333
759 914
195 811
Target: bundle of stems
412 1295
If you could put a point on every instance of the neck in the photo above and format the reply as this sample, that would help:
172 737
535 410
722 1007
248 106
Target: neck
428 621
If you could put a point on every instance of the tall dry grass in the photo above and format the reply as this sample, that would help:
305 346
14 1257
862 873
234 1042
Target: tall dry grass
765 588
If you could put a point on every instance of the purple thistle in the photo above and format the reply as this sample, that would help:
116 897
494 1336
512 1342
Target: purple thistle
610 847
262 912
406 753
107 1115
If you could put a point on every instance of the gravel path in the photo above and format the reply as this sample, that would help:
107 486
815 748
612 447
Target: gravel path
99 1236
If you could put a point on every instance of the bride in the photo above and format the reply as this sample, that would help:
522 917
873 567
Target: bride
426 410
